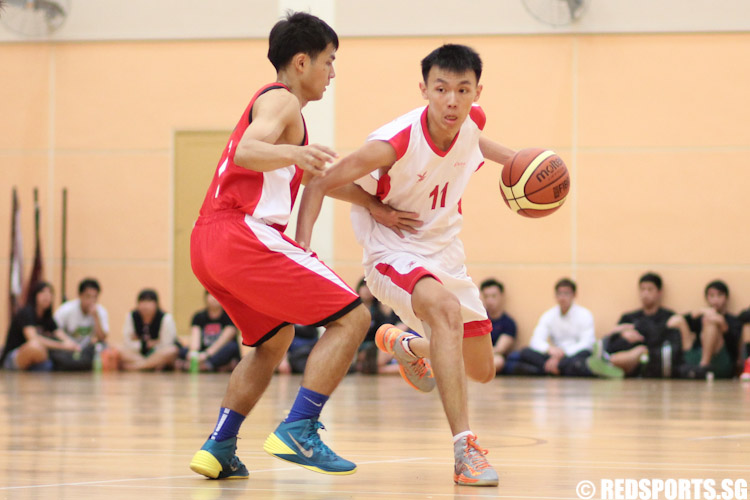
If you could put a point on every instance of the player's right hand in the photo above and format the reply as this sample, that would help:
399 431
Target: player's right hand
314 158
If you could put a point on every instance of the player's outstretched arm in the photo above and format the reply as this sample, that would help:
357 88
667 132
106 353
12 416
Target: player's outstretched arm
276 116
371 156
493 151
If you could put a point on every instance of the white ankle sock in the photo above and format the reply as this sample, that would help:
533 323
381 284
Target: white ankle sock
461 435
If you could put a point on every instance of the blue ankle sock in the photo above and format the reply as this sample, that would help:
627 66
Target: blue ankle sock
228 424
307 405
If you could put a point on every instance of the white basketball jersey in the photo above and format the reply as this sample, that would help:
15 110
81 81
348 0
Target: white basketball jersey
424 180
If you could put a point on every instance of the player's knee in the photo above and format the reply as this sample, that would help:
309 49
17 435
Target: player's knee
278 345
357 321
486 376
447 310
481 372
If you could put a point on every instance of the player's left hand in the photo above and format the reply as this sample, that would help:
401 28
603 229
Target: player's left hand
396 220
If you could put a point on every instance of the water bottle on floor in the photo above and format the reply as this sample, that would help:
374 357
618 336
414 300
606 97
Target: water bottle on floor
194 362
666 360
96 364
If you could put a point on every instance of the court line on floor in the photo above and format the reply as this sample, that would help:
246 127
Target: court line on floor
352 492
598 464
728 436
254 471
111 482
191 451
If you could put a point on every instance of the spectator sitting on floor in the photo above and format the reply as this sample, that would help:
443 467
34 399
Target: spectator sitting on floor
563 340
710 336
150 336
33 334
213 339
86 322
503 326
635 344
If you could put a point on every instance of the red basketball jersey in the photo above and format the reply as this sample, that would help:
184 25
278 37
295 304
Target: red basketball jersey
267 196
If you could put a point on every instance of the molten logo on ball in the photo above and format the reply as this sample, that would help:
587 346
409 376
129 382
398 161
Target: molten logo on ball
535 182
549 169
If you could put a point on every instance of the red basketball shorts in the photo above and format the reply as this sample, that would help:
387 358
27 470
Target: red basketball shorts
262 278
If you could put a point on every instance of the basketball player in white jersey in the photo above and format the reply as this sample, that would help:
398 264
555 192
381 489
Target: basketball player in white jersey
421 162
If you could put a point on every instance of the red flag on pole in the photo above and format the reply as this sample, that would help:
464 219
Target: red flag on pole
15 289
36 271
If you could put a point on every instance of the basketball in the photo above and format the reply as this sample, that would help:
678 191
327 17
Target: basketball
535 183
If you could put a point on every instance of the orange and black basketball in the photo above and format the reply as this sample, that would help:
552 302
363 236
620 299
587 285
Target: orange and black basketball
535 182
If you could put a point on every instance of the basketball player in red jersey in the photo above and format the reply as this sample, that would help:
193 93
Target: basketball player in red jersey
422 162
263 279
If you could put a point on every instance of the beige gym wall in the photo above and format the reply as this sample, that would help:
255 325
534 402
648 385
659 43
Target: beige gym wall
652 126
109 139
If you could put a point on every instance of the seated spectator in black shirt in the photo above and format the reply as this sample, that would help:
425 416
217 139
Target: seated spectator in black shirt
710 336
213 338
504 329
635 344
33 334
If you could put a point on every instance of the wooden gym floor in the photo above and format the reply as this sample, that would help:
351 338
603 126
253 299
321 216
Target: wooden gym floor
113 436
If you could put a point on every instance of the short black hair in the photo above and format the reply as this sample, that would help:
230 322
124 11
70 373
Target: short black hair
650 277
566 282
299 32
148 294
492 282
88 283
453 57
717 285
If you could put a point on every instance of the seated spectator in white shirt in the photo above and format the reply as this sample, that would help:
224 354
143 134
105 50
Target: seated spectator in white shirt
564 342
86 322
